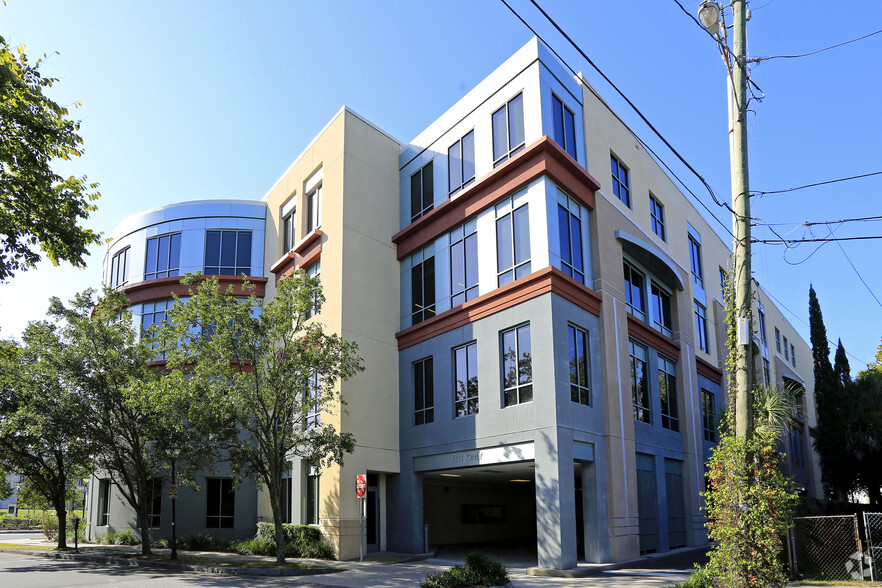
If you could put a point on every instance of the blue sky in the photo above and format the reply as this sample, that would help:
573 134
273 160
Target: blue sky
196 99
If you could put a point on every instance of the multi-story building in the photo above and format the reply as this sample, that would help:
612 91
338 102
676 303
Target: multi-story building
147 256
540 313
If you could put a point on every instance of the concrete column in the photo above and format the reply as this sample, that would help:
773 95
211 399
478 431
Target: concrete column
405 521
555 501
595 517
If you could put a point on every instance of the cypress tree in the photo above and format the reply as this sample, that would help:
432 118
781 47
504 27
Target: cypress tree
841 367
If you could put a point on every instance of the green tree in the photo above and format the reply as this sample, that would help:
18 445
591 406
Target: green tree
6 488
841 367
39 208
837 472
864 435
270 371
44 425
137 412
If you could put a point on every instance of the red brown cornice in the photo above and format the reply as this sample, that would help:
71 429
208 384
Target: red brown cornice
305 254
646 334
708 370
544 157
164 288
546 280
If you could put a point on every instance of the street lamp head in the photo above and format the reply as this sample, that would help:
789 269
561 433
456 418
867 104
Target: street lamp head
709 16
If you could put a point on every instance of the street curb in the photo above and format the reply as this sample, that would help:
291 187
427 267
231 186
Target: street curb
184 567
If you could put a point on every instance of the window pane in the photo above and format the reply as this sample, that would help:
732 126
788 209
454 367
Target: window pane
454 166
500 137
416 195
418 387
212 248
429 386
243 253
461 375
563 218
428 186
557 121
162 255
509 361
516 121
471 260
504 258
416 290
522 234
570 129
525 368
174 254
457 268
468 157
576 239
228 249
429 286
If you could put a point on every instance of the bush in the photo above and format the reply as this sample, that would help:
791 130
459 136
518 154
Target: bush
203 543
49 525
126 537
700 578
300 541
257 546
81 535
479 569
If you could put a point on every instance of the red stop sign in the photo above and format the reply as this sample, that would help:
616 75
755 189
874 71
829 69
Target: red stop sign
360 485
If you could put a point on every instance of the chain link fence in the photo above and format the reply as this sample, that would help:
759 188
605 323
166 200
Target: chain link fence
873 533
827 548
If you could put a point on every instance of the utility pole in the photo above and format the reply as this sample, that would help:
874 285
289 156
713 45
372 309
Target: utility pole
741 274
709 16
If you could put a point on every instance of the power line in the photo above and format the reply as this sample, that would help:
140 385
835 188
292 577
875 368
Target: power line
760 221
857 177
759 59
815 240
860 277
642 142
631 104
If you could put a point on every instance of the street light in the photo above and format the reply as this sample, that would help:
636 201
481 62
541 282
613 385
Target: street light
709 16
173 494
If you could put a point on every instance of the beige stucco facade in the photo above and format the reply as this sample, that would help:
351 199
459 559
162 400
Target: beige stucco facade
360 281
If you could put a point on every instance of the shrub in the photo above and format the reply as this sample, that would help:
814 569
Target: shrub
81 535
161 543
49 525
256 546
203 542
479 569
300 541
700 578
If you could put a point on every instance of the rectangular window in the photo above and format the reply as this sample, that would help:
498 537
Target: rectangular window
767 374
422 288
154 517
580 390
461 163
709 415
667 391
634 292
786 353
640 383
103 502
153 313
722 278
314 401
517 366
312 495
620 182
314 209
512 243
797 458
119 269
287 493
423 391
564 125
465 393
762 328
463 264
701 328
647 504
676 504
508 129
657 217
569 220
792 355
777 339
227 253
422 192
314 272
661 309
695 262
163 257
220 503
288 232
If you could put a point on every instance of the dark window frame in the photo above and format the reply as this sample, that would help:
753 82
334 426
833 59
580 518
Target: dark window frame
459 164
513 144
424 391
667 393
119 268
170 243
563 126
513 243
422 289
422 203
640 397
657 216
465 391
580 365
221 269
572 253
621 180
464 249
220 503
517 370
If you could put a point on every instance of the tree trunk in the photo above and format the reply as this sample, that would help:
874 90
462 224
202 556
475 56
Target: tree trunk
275 505
145 530
61 513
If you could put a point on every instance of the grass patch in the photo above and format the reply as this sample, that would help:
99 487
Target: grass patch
26 547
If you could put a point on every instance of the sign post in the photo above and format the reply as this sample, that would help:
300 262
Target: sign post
360 490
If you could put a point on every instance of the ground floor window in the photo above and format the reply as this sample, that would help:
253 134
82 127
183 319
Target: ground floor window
676 503
312 495
287 490
647 504
103 502
155 515
220 503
